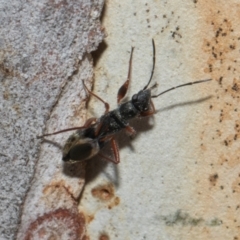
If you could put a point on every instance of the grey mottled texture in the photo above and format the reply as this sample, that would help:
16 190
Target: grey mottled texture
41 44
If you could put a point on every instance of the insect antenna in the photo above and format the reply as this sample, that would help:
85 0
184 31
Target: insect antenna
182 85
153 44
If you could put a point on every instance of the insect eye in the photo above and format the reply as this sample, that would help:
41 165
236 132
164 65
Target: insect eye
80 152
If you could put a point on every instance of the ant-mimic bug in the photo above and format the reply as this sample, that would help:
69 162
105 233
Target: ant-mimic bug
90 138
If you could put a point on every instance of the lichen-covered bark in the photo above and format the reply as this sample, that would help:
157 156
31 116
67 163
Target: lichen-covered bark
44 50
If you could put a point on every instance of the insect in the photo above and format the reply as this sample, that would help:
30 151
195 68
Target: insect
90 138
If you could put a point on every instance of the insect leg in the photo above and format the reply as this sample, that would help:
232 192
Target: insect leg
150 112
89 122
93 94
130 131
114 147
123 89
86 125
115 150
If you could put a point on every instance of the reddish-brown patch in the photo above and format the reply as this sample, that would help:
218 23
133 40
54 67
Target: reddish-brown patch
106 193
103 192
219 30
86 237
59 224
104 236
58 188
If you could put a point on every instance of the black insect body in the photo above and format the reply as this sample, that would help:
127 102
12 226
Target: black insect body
81 145
118 119
90 138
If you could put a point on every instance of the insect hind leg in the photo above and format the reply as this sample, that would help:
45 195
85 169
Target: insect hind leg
86 125
114 148
123 89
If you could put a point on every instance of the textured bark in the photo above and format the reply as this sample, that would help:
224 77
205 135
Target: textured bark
44 55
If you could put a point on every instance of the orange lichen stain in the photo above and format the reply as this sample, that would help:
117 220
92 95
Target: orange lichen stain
89 218
234 89
219 46
213 179
237 126
203 147
49 189
86 237
229 159
57 225
230 140
57 188
106 193
236 185
219 133
103 192
57 194
104 236
115 202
